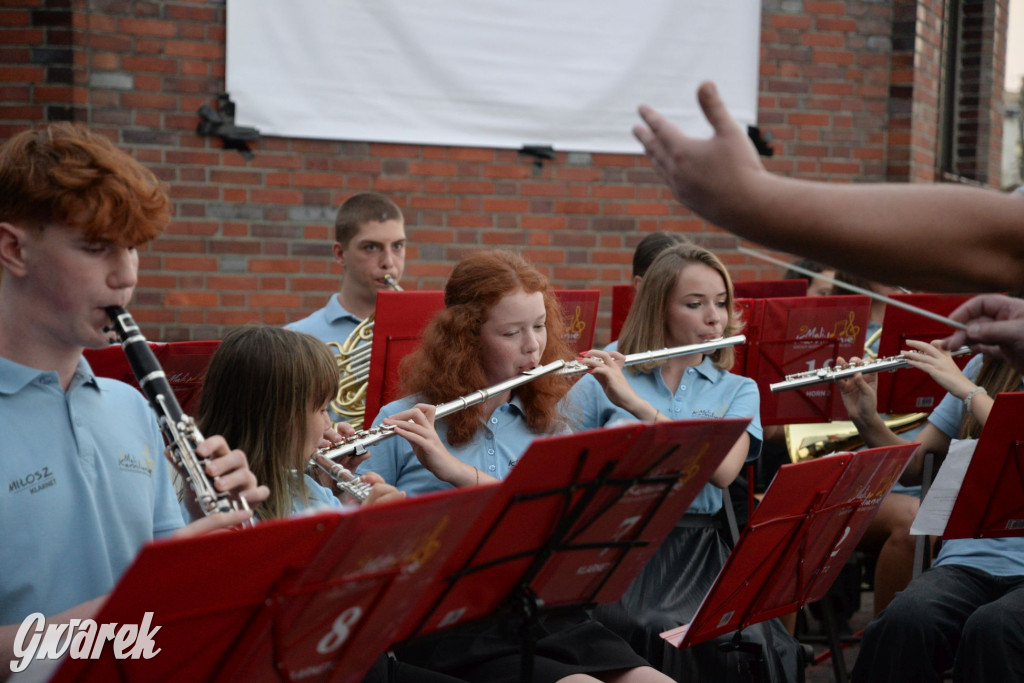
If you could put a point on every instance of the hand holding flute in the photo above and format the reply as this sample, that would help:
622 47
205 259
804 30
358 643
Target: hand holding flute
843 369
606 367
859 389
416 425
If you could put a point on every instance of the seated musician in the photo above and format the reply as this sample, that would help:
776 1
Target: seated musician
267 391
687 298
648 249
500 319
84 481
369 244
888 536
967 611
816 286
369 234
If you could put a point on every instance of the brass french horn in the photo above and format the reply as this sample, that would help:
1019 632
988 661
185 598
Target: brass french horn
353 358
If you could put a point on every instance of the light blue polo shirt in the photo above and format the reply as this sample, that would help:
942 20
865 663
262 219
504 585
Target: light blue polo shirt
496 446
998 556
705 391
83 485
332 323
320 498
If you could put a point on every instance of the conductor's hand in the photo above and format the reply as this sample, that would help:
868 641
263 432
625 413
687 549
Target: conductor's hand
995 325
706 175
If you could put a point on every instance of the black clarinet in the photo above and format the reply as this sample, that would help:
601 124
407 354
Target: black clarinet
179 429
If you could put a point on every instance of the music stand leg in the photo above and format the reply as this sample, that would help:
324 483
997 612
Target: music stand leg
832 630
753 651
527 605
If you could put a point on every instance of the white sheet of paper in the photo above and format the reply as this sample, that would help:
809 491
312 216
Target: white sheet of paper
489 73
938 504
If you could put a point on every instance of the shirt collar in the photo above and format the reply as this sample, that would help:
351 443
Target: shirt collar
14 377
708 369
517 403
335 311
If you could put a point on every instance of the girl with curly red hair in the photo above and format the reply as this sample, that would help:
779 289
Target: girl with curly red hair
499 320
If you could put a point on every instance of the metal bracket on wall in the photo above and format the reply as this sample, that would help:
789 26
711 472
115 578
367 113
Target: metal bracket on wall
540 153
220 122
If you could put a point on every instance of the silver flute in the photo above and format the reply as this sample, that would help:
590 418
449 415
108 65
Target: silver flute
822 375
179 429
356 445
575 367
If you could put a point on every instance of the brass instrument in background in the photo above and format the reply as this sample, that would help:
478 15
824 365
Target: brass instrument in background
871 341
353 357
806 441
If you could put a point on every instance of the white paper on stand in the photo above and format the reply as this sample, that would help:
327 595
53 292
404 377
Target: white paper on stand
938 503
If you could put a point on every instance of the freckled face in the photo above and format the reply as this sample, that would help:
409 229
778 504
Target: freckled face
514 336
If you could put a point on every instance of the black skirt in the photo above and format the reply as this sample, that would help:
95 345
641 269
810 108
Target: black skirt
667 593
488 651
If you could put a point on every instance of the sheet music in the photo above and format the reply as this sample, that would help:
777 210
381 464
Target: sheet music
938 504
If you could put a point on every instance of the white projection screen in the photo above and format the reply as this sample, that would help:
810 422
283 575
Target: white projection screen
488 73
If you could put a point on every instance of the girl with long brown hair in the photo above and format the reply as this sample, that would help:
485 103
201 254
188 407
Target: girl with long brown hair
964 612
269 388
686 297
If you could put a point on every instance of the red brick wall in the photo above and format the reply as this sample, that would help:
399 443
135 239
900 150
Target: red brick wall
979 127
841 92
915 89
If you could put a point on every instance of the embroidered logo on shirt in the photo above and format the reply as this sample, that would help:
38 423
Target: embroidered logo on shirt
705 412
134 463
33 482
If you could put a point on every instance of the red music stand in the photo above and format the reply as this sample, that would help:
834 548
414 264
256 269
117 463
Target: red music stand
580 309
401 317
911 390
790 335
798 539
769 289
990 503
313 598
398 325
575 521
622 301
184 363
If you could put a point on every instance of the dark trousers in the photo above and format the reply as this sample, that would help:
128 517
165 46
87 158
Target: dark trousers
950 616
